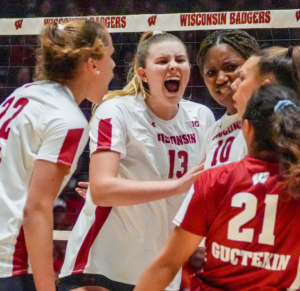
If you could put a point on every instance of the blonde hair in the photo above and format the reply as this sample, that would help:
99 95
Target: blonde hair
64 46
135 85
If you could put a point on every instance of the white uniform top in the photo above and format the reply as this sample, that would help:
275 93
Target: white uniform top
119 242
243 146
37 121
224 141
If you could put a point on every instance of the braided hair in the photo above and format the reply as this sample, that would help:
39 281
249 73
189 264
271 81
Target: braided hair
239 40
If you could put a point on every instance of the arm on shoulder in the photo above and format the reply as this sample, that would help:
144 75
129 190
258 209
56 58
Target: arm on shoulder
107 189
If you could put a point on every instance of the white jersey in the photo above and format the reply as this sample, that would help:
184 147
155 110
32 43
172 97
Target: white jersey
37 121
224 141
243 146
119 242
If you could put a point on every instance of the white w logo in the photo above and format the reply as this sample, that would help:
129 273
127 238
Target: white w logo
260 178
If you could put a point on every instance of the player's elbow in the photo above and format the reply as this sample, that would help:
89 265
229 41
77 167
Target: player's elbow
29 210
33 212
26 213
100 194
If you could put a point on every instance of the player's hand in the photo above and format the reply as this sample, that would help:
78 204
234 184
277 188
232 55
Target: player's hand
185 182
83 189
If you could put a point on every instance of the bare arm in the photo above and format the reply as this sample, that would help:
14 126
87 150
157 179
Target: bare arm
109 190
165 266
38 221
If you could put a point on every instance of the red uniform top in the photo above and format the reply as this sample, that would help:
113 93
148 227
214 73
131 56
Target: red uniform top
251 228
186 276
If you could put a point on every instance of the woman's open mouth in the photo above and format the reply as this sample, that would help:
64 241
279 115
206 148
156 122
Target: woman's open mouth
172 84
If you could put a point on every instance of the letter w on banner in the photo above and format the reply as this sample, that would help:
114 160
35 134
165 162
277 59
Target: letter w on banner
298 15
18 24
152 20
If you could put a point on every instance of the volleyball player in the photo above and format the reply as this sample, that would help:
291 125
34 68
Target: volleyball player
42 134
220 57
145 141
248 210
271 65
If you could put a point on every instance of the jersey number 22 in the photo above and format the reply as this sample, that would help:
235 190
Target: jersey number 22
18 106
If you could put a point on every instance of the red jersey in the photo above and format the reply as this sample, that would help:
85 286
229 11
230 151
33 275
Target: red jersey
251 228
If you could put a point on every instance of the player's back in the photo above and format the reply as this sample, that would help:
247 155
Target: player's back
25 117
252 228
35 121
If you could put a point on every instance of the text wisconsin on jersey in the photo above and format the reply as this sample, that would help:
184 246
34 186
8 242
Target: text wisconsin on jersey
177 139
229 129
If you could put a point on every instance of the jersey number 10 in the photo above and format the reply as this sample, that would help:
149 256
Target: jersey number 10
225 151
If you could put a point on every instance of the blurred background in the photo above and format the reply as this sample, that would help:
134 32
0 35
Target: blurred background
48 8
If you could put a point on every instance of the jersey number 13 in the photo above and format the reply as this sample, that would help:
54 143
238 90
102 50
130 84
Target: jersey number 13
183 157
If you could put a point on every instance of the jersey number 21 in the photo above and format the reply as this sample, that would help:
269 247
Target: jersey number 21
235 227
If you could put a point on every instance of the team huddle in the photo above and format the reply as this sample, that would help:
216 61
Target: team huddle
163 174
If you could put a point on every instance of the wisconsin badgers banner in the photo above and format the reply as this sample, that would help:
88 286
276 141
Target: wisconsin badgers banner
167 22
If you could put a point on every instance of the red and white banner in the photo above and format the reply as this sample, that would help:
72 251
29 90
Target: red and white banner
167 22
